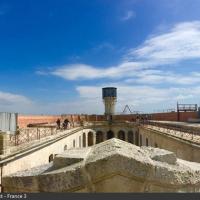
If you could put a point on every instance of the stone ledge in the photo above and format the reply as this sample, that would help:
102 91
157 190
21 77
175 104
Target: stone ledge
70 157
161 155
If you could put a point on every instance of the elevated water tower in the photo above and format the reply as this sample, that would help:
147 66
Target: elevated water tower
109 95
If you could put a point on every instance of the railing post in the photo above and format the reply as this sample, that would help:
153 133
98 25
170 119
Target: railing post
37 134
192 135
27 132
17 138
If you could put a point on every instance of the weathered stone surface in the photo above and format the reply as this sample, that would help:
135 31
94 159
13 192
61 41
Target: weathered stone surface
70 157
160 155
111 166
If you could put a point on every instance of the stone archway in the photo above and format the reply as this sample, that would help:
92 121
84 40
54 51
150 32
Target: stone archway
121 135
51 158
137 138
79 141
84 140
147 142
90 139
99 137
130 137
65 147
110 134
141 140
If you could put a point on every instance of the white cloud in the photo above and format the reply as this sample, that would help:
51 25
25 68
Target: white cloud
82 71
142 97
73 72
10 102
9 98
156 77
180 43
135 75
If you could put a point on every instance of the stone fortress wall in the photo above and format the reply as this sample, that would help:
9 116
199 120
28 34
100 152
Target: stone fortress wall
43 151
182 148
111 166
24 120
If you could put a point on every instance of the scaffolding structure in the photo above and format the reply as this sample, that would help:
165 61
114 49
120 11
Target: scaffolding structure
186 108
128 109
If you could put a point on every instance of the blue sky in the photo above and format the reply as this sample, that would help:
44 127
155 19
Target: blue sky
55 56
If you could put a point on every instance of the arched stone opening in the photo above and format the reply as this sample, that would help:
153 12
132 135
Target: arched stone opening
51 158
79 141
90 139
121 135
74 143
110 134
137 138
140 140
65 147
99 137
130 137
147 142
84 140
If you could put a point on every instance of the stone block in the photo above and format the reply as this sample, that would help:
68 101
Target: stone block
161 155
69 157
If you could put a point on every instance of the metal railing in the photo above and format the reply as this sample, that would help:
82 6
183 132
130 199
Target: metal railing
27 135
188 133
30 134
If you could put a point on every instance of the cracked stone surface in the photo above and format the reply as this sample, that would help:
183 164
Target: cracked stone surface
111 166
161 155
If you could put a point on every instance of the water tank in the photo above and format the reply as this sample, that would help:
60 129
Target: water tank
109 92
109 95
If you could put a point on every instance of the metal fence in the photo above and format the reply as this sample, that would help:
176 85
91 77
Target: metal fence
30 134
184 132
27 135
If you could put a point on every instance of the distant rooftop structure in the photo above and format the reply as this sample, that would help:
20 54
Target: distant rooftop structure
8 122
186 108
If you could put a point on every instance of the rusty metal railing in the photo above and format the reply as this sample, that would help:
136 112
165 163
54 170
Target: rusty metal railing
27 135
188 133
30 134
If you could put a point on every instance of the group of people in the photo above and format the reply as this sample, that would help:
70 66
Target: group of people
143 118
63 125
